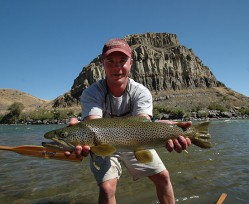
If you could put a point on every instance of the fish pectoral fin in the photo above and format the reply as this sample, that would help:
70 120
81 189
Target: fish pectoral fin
103 150
143 156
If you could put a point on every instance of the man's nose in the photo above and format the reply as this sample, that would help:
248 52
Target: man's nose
117 64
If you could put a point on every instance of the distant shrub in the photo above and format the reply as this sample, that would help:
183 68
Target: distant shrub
217 106
43 114
162 108
198 107
175 113
245 111
202 114
16 109
13 116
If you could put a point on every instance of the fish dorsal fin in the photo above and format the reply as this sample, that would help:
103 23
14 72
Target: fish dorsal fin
103 150
143 155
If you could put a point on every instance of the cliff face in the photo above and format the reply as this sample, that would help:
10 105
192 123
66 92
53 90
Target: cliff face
160 63
172 72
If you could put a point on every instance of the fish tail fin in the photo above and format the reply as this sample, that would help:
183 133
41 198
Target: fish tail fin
200 136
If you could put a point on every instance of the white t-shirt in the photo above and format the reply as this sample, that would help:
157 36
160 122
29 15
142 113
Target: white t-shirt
97 100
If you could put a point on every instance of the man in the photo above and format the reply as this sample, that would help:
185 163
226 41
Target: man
117 96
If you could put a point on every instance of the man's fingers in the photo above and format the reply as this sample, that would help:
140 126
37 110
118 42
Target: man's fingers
188 141
170 145
73 121
78 150
177 146
183 142
85 150
184 125
67 153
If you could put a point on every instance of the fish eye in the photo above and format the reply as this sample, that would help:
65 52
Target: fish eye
63 134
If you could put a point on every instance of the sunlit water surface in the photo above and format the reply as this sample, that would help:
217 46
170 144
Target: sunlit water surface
199 176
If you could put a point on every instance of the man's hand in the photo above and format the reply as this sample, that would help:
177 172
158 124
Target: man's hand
180 143
79 150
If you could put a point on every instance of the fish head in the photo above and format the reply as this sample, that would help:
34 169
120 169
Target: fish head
64 138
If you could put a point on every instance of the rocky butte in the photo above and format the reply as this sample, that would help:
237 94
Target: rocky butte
172 72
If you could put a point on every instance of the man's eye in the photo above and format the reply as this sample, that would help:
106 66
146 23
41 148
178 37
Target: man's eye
109 60
123 61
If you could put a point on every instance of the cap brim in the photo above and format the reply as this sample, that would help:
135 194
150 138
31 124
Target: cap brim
117 50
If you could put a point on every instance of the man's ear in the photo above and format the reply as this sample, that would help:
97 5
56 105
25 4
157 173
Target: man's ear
131 61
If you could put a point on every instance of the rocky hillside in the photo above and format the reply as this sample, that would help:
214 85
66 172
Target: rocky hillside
171 71
10 96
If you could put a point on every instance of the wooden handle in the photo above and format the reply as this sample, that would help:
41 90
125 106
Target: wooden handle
43 152
222 198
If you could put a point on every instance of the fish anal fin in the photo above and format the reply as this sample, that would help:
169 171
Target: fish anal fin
143 156
205 144
103 150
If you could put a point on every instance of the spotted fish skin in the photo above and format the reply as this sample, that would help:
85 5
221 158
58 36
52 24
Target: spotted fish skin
124 134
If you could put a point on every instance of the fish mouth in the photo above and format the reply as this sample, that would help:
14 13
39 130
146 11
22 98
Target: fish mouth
58 144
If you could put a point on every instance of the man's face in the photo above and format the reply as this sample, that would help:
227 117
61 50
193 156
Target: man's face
117 67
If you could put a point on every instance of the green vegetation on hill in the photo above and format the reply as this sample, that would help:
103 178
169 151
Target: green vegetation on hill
16 115
160 111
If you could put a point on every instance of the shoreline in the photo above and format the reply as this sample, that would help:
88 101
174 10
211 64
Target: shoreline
66 121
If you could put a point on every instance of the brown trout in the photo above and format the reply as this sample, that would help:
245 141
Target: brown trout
105 136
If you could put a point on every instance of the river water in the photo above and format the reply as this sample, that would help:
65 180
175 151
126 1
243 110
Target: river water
199 176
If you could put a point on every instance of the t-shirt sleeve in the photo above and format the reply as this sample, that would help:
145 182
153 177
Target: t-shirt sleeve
143 102
91 103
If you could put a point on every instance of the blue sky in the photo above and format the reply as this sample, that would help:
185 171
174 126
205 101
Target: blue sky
44 44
